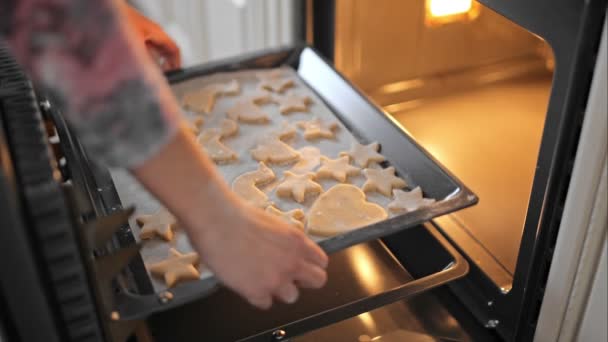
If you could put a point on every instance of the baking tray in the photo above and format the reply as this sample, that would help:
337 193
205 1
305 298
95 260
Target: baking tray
357 115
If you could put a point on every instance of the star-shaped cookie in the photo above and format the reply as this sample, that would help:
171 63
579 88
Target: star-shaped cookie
176 268
317 129
382 181
406 201
294 217
310 158
298 186
247 111
292 103
338 169
363 155
159 224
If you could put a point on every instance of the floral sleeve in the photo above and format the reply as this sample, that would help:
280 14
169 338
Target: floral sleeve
85 55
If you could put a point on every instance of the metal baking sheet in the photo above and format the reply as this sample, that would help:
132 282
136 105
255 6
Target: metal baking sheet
334 99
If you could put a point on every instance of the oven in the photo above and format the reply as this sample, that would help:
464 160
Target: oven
500 102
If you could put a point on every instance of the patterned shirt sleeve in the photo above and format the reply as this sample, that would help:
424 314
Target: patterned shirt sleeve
84 54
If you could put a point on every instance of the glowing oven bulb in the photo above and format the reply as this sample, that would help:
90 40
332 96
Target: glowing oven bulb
440 12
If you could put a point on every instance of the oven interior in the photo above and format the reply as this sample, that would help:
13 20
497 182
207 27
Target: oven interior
472 87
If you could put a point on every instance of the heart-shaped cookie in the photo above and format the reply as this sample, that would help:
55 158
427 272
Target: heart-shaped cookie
341 209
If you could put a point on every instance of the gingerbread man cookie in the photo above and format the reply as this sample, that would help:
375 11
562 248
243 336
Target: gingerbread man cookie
176 268
382 181
159 224
248 112
338 169
363 155
246 185
317 129
406 201
340 209
274 151
298 186
294 217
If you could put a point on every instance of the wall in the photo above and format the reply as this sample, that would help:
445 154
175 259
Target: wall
213 29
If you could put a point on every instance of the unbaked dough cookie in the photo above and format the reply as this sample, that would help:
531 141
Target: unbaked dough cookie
220 153
203 100
247 111
363 155
286 132
406 201
340 209
338 169
261 96
310 158
246 185
294 217
275 81
292 103
228 128
195 125
176 268
298 186
272 150
200 101
382 181
159 224
317 129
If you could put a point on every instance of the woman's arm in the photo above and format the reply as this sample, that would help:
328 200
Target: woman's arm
87 57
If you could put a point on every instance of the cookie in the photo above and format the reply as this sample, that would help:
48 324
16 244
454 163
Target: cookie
364 155
203 100
195 125
310 158
247 111
341 209
338 169
176 268
286 132
292 103
294 217
200 101
275 81
317 129
159 224
382 181
209 139
406 201
246 186
298 186
274 151
228 128
261 96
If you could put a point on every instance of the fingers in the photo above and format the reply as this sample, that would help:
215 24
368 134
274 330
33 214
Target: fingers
310 275
288 293
314 253
263 302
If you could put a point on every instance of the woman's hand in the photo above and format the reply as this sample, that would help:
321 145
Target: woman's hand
255 254
159 45
259 256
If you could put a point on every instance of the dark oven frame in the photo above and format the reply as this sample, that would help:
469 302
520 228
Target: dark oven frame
572 29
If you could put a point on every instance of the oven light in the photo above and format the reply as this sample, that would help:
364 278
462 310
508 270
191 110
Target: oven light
443 8
446 11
